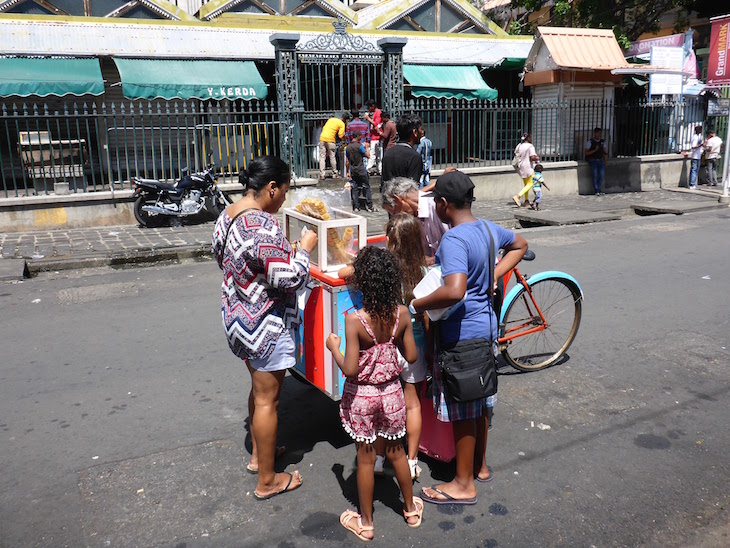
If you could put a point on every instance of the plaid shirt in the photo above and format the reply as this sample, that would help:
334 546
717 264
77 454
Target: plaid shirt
357 125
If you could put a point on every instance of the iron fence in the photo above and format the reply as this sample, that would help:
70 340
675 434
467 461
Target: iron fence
484 133
94 148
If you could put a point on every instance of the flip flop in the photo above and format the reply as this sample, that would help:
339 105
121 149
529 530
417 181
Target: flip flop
448 500
488 478
285 490
417 512
345 519
280 450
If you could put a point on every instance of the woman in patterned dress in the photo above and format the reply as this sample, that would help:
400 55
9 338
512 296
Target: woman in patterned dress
261 276
373 405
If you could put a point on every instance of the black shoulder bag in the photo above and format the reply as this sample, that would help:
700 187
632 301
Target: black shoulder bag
468 370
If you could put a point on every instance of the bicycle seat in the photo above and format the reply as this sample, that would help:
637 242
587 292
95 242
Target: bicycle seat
529 256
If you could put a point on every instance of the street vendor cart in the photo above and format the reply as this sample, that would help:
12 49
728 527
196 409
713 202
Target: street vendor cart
326 302
327 299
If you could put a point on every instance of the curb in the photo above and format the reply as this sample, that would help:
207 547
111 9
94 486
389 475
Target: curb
120 259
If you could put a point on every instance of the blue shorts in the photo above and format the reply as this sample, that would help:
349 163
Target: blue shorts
283 356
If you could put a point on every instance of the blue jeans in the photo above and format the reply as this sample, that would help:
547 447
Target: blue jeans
360 186
694 169
599 172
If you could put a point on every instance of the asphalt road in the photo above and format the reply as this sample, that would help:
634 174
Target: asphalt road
123 417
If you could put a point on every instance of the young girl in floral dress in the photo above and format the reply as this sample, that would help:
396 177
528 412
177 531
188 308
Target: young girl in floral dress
373 405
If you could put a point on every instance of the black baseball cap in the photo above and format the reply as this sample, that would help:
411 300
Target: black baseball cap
455 186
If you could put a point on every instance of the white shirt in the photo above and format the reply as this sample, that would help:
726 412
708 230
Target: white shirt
697 141
523 152
712 146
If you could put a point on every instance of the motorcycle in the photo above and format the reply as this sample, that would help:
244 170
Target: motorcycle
156 203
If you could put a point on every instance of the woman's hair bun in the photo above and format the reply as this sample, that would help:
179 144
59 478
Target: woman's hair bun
262 170
243 178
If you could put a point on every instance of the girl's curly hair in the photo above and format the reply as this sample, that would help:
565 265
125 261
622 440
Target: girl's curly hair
378 278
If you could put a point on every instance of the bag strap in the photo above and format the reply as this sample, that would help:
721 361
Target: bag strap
492 258
236 216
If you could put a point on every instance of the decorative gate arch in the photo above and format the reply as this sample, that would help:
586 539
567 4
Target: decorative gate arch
327 75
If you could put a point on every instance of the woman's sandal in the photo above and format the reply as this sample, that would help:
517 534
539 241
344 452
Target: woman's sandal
418 503
346 518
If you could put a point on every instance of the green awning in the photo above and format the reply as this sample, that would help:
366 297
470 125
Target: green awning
26 76
458 82
173 79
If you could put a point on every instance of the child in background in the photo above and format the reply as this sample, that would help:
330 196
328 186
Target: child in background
373 405
537 183
357 174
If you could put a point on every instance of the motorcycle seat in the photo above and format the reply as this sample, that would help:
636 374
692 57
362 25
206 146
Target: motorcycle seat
155 183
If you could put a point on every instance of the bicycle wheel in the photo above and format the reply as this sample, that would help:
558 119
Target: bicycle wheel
560 302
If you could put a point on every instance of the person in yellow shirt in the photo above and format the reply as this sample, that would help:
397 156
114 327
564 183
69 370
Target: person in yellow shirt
333 129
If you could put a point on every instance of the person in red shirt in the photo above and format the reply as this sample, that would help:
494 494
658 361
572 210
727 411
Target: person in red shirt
373 116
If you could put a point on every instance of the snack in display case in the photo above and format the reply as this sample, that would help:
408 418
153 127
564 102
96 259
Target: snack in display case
314 207
346 232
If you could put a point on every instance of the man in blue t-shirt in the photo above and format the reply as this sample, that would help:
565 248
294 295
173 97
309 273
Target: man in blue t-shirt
464 257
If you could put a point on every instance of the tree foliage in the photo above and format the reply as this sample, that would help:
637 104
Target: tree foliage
629 19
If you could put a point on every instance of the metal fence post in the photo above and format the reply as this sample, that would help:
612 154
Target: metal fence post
392 47
287 93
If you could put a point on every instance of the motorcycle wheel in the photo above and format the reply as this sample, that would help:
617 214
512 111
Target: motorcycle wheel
144 218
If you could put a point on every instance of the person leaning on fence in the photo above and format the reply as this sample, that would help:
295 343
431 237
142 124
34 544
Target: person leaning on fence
333 129
712 156
596 156
526 155
465 255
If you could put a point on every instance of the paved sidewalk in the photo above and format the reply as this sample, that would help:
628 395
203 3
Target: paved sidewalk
118 245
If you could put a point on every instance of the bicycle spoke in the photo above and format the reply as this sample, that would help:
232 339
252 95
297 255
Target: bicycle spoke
559 303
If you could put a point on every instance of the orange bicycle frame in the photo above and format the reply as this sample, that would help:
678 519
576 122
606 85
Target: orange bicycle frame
521 330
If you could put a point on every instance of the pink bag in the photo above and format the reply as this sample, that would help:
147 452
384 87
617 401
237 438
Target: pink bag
437 438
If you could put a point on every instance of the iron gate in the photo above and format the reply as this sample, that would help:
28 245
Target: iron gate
338 72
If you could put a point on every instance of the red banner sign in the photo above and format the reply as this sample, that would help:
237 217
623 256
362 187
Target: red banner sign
644 46
718 67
